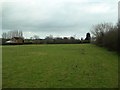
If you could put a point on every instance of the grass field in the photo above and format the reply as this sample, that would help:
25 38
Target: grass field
59 66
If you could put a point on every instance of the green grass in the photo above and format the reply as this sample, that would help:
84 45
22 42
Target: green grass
59 66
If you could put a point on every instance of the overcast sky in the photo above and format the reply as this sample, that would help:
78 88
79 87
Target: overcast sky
56 17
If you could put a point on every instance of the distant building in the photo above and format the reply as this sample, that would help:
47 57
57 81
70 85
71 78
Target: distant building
15 40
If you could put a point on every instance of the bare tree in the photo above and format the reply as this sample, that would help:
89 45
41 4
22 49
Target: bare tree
36 37
106 35
100 29
12 34
4 35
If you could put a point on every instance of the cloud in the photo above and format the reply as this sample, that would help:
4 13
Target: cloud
55 16
119 10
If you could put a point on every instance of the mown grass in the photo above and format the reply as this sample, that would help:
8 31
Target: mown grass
59 66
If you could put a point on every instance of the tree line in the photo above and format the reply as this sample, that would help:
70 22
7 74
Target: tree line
57 40
47 40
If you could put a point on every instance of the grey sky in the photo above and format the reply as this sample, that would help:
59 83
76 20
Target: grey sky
119 10
56 17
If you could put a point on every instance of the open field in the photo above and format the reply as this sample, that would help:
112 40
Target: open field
65 66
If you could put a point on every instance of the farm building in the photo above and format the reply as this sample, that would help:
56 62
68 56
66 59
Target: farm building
16 40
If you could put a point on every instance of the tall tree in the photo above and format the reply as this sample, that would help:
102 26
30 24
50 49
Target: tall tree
88 37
